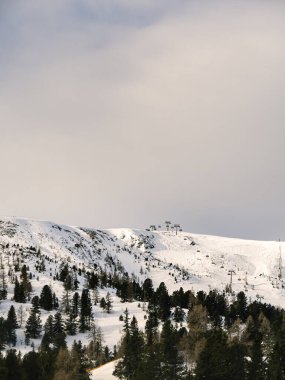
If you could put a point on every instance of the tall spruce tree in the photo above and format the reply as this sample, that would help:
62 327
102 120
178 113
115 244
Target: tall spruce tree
11 326
86 311
46 298
132 348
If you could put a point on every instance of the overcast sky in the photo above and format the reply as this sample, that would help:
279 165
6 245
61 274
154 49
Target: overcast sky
125 113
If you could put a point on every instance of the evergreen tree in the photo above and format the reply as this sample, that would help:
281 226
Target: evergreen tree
46 298
12 319
26 284
103 303
147 290
172 367
54 301
109 303
36 304
11 326
86 311
3 283
253 338
33 325
32 366
212 362
13 366
151 328
163 302
71 325
58 332
75 305
276 367
3 333
132 347
19 292
48 333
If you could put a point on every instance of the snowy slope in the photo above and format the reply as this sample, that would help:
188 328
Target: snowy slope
197 262
187 260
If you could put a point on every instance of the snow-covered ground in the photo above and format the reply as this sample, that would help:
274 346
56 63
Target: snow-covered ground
104 372
191 261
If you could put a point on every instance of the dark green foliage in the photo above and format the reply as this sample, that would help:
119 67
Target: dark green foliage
178 314
58 332
11 326
212 362
163 302
147 290
32 366
71 325
46 301
3 333
86 311
63 271
172 367
132 346
75 305
13 366
19 292
33 325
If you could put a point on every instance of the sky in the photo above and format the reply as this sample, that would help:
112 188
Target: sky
126 113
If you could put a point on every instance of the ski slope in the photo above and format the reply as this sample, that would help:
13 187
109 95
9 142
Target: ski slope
191 261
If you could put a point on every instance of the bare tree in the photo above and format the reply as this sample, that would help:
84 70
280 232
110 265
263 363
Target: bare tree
21 314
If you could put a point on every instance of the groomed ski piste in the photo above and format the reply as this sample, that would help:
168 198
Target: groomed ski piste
191 261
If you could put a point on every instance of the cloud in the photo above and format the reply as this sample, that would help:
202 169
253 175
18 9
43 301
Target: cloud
119 113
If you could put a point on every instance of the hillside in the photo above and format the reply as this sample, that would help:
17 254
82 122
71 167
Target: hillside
193 262
188 260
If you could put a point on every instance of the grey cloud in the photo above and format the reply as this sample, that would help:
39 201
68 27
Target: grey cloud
177 114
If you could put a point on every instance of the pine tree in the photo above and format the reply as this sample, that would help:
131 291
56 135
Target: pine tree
48 333
252 338
163 302
46 298
58 332
103 303
172 367
75 305
26 284
132 348
32 366
276 366
147 290
151 328
12 319
71 325
3 333
212 361
86 311
36 304
11 326
19 292
33 325
13 366
109 303
3 283
54 301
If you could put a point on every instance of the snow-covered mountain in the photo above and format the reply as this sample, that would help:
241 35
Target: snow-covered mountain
197 262
191 261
